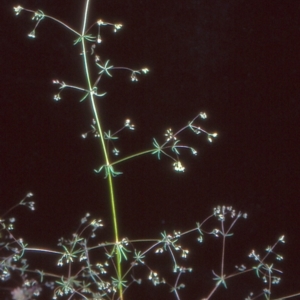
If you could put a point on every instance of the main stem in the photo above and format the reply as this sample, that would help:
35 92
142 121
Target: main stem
103 146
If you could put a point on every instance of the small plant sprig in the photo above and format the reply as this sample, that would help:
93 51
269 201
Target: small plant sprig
90 91
87 267
171 143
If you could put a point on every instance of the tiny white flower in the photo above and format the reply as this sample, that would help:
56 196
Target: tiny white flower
203 115
133 77
212 135
194 151
128 124
116 151
178 166
18 9
117 27
32 34
56 97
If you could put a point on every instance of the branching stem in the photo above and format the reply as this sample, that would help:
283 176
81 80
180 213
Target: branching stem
103 146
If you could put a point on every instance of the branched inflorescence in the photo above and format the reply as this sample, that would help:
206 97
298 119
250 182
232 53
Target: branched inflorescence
87 267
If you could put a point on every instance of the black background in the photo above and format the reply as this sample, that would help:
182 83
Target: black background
236 60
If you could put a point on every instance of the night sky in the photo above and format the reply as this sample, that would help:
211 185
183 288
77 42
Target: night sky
236 60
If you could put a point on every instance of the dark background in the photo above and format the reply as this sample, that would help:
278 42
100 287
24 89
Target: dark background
236 60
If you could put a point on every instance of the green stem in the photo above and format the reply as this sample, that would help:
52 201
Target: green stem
102 144
143 153
132 156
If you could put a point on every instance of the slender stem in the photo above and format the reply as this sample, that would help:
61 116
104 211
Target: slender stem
56 20
146 152
44 250
132 156
223 249
62 23
102 143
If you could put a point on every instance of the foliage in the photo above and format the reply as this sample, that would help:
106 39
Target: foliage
88 268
